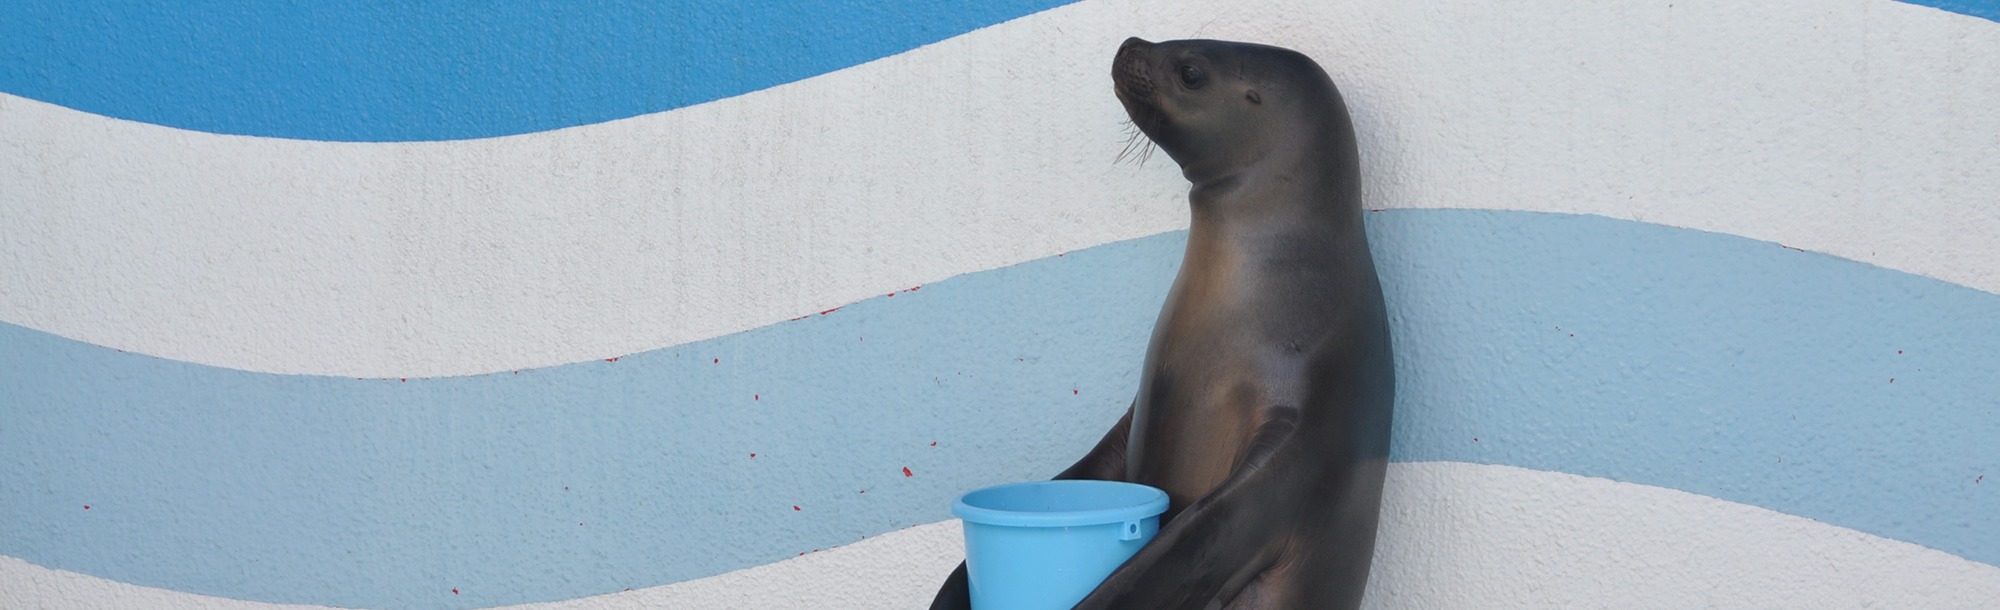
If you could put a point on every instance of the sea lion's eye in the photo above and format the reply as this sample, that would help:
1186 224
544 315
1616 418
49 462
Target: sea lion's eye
1191 76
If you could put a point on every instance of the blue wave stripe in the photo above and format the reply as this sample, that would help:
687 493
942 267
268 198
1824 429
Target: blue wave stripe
1669 357
1987 9
431 70
434 70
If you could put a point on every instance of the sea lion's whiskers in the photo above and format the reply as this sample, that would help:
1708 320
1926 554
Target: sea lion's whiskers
1125 152
1138 147
1131 140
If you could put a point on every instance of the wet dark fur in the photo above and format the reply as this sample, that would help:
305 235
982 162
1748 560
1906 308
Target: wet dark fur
1265 407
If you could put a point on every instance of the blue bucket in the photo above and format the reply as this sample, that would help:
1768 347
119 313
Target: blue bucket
1047 544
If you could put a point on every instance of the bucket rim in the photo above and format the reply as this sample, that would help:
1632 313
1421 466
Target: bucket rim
1152 506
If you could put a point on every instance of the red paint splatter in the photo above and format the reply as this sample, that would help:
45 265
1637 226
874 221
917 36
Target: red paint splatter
1375 209
406 380
756 397
454 591
831 310
1789 247
565 488
915 288
906 471
517 372
1899 351
1892 380
864 491
612 359
718 361
579 524
753 455
933 443
86 507
892 294
795 507
1072 392
1475 439
1974 481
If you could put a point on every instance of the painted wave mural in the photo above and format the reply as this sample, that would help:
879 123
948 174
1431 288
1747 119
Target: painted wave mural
448 306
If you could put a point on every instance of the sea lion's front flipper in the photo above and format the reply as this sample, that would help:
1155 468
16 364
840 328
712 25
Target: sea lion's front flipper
1105 462
955 594
1216 547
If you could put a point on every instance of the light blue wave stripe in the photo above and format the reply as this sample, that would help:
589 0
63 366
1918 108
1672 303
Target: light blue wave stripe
1698 362
433 70
1739 369
574 480
436 70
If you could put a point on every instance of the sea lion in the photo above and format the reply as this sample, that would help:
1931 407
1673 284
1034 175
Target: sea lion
1265 405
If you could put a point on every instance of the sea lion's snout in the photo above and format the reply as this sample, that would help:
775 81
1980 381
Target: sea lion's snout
1130 78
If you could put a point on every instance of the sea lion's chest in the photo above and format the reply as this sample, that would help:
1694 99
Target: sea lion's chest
1199 403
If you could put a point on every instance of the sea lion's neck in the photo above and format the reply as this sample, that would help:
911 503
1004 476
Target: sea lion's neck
1273 215
1277 195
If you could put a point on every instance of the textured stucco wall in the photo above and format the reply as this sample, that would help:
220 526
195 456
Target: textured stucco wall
719 304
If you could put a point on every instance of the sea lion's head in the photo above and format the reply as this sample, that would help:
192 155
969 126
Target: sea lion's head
1216 106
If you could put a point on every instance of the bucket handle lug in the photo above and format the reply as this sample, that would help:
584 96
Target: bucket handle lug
1130 531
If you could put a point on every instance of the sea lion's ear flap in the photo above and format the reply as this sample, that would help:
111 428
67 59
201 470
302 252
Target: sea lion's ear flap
1254 97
